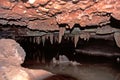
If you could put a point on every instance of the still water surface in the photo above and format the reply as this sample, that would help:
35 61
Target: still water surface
84 71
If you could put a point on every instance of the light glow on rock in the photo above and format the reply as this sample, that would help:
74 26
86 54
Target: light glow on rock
32 1
21 75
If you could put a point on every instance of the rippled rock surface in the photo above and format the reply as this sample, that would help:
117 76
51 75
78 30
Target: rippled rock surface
47 14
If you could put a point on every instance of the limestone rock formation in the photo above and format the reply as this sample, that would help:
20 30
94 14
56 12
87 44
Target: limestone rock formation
11 52
11 57
47 14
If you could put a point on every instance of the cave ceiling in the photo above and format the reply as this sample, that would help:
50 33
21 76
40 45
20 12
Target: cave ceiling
48 14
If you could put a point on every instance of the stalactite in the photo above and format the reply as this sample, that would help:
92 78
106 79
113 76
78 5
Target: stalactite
117 38
51 38
61 33
76 38
56 39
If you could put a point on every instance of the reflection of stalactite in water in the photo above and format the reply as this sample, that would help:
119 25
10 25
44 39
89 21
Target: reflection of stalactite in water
39 53
43 58
43 49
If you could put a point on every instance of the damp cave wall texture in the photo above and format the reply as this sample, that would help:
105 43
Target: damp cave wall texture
48 14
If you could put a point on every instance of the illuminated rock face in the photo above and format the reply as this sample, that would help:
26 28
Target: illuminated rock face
11 52
11 57
50 13
13 73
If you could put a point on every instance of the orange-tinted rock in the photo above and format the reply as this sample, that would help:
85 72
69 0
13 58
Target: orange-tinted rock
82 12
49 24
5 4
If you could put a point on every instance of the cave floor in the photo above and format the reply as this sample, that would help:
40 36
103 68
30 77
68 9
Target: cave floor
103 71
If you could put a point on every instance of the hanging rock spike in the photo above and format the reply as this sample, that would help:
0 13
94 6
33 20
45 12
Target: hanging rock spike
56 38
46 36
117 38
61 33
88 36
38 40
76 38
51 38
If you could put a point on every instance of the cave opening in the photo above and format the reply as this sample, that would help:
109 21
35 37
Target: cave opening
93 51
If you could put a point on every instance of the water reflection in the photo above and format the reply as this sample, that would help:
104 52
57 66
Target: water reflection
84 71
91 67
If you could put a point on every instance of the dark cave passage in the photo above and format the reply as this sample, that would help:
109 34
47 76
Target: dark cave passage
45 50
39 56
92 51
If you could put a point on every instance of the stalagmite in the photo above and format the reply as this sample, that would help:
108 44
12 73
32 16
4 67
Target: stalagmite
54 61
61 33
63 59
76 38
74 63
